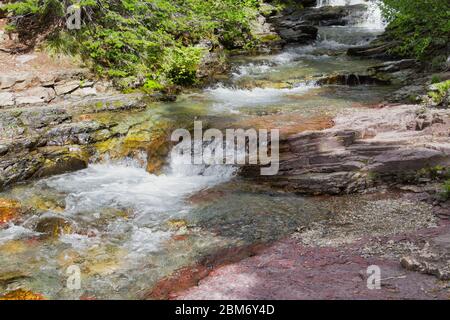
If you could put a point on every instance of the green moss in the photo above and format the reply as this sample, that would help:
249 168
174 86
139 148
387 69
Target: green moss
269 38
435 79
442 90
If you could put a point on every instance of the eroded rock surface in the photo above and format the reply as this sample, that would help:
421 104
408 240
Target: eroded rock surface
363 150
46 140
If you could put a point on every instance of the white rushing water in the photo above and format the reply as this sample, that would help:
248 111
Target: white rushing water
125 185
230 97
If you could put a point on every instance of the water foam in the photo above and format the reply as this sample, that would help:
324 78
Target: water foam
234 97
129 186
14 232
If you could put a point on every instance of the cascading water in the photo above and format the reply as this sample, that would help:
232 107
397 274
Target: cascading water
372 19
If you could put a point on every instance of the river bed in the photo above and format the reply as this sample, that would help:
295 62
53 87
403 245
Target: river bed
126 229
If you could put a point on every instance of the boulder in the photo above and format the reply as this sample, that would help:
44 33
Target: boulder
299 34
374 148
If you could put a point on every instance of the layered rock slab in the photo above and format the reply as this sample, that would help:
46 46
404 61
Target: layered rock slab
363 150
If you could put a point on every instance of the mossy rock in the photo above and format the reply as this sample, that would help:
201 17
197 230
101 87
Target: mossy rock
53 227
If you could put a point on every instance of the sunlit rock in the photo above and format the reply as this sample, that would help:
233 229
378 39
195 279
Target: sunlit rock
21 294
9 210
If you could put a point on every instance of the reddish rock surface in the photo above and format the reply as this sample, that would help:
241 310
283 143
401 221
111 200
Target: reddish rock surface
289 270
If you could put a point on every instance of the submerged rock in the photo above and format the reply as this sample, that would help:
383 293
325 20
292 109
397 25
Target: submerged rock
9 210
21 294
53 227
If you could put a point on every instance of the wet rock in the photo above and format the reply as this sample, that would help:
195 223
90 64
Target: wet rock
299 34
299 25
352 80
332 15
53 227
177 224
46 204
306 3
7 278
21 294
60 161
376 49
38 142
9 210
394 66
323 16
213 61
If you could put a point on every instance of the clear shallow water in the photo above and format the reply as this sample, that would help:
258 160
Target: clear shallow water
126 228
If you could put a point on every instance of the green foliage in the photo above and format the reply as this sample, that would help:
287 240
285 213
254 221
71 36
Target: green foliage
442 91
151 86
24 7
435 79
143 40
422 27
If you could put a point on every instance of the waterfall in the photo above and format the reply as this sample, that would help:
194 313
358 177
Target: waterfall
372 19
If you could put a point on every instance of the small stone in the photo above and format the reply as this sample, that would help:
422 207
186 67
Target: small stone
410 264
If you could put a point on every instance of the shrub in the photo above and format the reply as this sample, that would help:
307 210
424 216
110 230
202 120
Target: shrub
441 93
422 27
137 39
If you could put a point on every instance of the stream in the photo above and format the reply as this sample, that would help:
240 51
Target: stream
127 229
